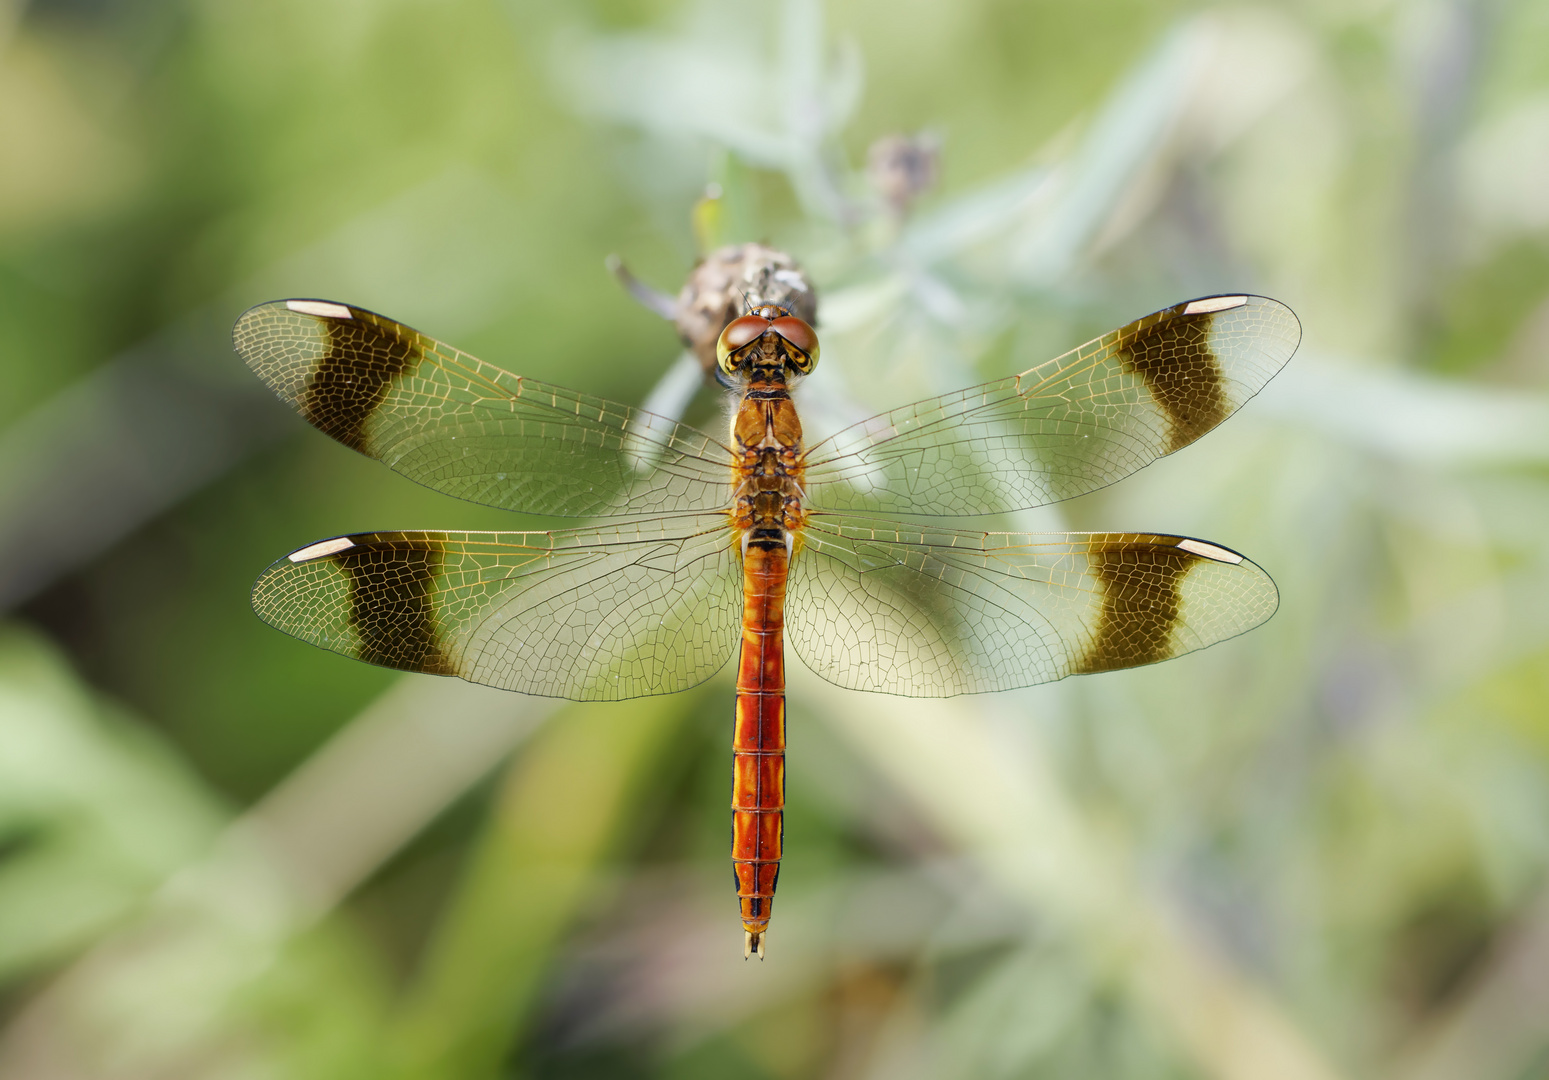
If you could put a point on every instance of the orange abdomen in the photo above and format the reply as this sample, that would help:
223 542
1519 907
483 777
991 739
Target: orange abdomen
758 743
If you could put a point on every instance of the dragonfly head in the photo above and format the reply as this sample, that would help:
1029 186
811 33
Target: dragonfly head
768 337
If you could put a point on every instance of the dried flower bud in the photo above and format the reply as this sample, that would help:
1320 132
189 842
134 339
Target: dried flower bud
901 168
731 281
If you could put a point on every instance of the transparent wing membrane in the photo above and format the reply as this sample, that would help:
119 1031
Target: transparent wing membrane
652 604
927 612
1064 428
470 429
595 614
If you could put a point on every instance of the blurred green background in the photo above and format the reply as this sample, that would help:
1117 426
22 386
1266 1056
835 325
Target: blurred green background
1317 851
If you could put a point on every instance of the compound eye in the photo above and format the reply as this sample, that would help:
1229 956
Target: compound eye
738 333
802 336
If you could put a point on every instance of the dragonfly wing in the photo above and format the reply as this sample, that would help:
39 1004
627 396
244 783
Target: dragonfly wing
470 429
923 612
595 614
1069 426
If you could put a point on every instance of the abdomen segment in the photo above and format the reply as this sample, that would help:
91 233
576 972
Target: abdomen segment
758 742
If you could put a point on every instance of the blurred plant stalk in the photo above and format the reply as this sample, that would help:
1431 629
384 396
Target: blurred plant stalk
998 800
562 807
271 876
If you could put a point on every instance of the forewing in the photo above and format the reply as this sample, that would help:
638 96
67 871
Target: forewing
1069 426
595 614
890 607
468 428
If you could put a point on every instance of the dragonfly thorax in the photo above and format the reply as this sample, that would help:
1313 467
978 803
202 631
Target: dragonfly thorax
768 473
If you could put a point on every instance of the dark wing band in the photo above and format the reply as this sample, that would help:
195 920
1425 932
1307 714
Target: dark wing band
921 612
470 429
1067 427
588 614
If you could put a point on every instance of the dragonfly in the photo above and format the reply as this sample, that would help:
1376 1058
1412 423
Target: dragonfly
697 547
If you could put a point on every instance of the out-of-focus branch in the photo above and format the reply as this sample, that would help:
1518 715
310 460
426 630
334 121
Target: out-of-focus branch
274 872
653 300
999 800
561 807
159 421
122 445
1497 1026
388 773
